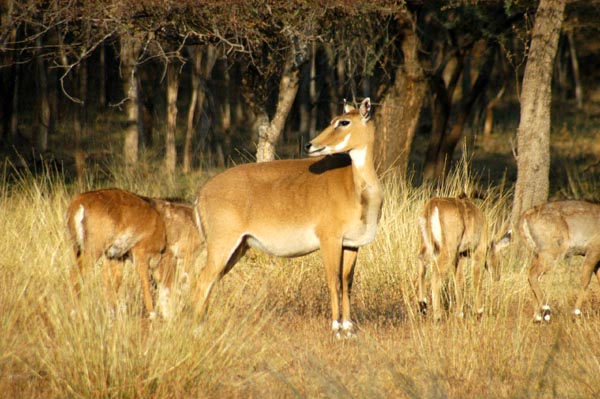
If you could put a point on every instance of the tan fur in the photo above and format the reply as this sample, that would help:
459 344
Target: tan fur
294 207
451 229
115 223
159 235
183 238
556 230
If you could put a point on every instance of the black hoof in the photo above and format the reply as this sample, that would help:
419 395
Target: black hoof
544 316
423 308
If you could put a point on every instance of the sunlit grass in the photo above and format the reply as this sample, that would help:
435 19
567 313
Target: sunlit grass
267 333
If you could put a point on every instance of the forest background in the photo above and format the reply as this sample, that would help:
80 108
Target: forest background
202 84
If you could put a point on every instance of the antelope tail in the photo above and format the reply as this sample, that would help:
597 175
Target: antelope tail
78 227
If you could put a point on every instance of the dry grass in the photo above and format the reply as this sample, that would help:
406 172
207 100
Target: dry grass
268 329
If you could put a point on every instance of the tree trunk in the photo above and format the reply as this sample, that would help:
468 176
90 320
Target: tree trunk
304 103
267 138
576 74
14 114
147 93
8 80
308 101
189 130
498 83
489 114
337 79
80 124
440 109
269 132
9 96
533 134
130 48
102 76
226 113
203 61
312 94
172 90
401 108
446 151
43 112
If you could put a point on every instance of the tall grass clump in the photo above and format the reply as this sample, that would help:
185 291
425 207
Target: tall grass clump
267 333
57 344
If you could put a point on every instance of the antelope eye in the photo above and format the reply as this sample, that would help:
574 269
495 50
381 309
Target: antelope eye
343 123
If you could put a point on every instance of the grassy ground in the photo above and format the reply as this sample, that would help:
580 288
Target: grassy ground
268 330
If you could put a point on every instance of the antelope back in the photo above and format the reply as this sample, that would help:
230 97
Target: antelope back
456 225
112 222
183 238
561 228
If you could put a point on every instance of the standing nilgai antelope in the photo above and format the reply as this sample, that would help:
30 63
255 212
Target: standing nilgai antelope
451 230
291 208
115 224
556 230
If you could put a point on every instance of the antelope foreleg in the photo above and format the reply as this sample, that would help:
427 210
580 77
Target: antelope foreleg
76 273
112 276
331 252
439 277
142 265
590 264
478 266
348 264
537 268
164 275
421 282
459 286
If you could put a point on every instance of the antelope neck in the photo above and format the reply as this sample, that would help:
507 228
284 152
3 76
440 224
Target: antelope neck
363 169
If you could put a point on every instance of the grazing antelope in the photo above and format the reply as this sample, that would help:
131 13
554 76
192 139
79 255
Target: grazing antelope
291 208
183 238
114 224
554 231
184 241
452 229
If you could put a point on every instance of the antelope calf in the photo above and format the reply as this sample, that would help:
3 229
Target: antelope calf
183 237
554 231
452 229
184 242
290 208
159 235
116 224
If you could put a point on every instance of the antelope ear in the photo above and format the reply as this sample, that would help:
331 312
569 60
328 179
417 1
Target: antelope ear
347 106
365 109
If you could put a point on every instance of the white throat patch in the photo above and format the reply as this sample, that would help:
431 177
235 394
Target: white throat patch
359 156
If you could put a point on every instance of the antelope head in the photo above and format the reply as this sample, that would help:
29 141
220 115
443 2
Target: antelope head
345 133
